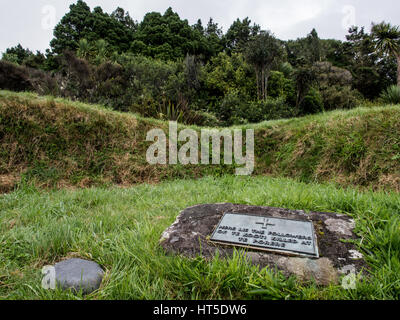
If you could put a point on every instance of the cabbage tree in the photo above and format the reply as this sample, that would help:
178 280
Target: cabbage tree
387 40
263 52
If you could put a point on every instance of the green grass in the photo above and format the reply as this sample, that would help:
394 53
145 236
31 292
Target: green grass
120 229
51 144
54 142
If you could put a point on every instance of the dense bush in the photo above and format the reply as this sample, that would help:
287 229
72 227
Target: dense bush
312 103
14 77
20 78
273 108
253 112
230 110
110 86
159 89
276 84
44 83
77 77
130 83
164 68
207 119
226 73
335 86
337 97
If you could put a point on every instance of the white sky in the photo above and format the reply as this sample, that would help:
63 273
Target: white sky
30 22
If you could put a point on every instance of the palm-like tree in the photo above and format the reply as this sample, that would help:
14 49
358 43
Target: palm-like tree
387 39
83 49
101 50
263 51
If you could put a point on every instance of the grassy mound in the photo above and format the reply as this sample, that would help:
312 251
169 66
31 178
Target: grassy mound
120 229
58 143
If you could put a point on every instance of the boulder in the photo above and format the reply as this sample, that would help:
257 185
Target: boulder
77 274
190 236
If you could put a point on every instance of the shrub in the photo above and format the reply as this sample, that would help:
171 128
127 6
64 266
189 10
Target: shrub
391 95
20 78
329 75
225 73
14 77
252 112
146 106
233 109
147 76
312 102
335 86
78 82
278 109
338 97
170 111
270 110
207 119
110 86
43 83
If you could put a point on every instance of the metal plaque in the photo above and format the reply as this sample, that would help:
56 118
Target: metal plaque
269 234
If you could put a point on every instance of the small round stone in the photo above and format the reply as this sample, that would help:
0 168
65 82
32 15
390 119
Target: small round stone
79 274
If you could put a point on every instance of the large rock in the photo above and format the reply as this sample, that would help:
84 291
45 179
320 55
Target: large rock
191 232
79 274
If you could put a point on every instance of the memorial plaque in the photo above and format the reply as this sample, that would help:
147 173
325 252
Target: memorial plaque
269 234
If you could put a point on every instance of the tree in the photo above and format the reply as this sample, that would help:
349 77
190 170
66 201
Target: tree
116 33
263 52
168 37
334 85
81 23
360 56
305 50
387 40
227 73
26 57
10 57
199 27
123 17
314 43
304 77
18 54
239 34
213 35
72 27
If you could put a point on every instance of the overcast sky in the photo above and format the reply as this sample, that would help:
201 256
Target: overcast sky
31 22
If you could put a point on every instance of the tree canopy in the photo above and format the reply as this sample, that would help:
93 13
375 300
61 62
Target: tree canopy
163 65
82 23
167 36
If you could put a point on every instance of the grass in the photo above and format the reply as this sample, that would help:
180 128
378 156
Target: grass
120 228
54 142
341 161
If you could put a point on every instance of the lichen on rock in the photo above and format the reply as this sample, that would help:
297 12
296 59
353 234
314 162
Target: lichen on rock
190 235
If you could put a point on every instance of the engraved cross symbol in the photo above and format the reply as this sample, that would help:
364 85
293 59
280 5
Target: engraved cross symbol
265 224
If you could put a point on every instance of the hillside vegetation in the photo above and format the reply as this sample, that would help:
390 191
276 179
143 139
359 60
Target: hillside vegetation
52 142
209 76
